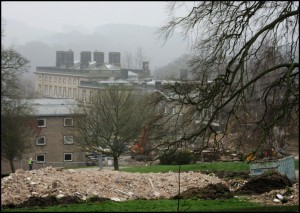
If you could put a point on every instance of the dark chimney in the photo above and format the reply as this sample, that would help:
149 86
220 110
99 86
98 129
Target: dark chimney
69 58
99 58
145 66
114 58
60 58
85 58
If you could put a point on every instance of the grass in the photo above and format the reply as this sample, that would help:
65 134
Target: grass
212 166
229 205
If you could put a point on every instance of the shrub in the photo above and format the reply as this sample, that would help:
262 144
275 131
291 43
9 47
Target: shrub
179 157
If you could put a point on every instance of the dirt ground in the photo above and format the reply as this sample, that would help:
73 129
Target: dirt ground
52 186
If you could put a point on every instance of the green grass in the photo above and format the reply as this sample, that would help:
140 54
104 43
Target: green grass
229 205
219 166
234 166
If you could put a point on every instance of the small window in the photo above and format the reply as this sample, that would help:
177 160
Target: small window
41 122
68 121
69 80
55 79
74 81
41 140
50 79
64 80
173 110
68 156
68 139
40 158
59 80
40 78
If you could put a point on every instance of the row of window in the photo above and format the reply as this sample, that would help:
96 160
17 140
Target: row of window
58 91
41 140
42 122
59 79
41 158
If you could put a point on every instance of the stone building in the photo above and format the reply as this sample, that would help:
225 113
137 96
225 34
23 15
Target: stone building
53 143
64 79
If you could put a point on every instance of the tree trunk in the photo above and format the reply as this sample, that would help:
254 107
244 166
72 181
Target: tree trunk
116 163
12 167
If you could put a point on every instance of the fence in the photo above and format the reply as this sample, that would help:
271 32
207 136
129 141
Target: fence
285 166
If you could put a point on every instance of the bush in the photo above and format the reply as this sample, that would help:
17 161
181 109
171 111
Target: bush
179 157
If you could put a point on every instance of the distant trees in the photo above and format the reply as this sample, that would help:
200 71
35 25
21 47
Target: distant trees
238 49
115 117
14 111
135 61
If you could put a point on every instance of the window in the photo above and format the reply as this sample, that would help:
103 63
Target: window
74 81
74 93
69 92
68 139
45 78
68 121
40 78
55 90
69 80
68 156
50 79
84 95
50 90
40 158
55 79
41 122
59 91
46 90
41 140
64 80
166 109
64 92
59 80
40 88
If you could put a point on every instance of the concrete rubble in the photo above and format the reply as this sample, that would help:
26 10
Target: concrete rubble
115 185
121 186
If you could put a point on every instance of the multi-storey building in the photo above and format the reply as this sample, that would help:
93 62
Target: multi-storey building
64 79
53 143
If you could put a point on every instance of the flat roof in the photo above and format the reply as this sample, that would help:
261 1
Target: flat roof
53 106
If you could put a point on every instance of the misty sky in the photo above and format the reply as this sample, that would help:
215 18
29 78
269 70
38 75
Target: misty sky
61 16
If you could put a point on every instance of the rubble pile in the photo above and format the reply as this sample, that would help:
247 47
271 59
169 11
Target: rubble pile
287 196
114 185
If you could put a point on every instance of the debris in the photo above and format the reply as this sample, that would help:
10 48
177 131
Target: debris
279 196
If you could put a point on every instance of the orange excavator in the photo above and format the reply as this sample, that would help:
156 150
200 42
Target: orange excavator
138 148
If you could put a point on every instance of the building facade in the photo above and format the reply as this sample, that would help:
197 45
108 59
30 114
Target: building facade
64 79
54 143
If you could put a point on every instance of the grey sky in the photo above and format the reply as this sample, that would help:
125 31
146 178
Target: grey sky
59 15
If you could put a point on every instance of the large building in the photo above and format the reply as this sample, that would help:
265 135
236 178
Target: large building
64 79
53 143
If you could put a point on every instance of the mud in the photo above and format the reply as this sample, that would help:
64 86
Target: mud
210 192
265 183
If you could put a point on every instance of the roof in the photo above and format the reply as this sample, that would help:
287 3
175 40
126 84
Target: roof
53 106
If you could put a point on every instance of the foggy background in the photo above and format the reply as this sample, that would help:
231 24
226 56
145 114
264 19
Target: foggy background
38 29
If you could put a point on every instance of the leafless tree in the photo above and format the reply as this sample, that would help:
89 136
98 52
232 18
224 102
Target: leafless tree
134 61
15 113
227 38
114 119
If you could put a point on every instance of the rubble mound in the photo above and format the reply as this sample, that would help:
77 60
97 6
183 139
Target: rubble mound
40 186
265 183
211 191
